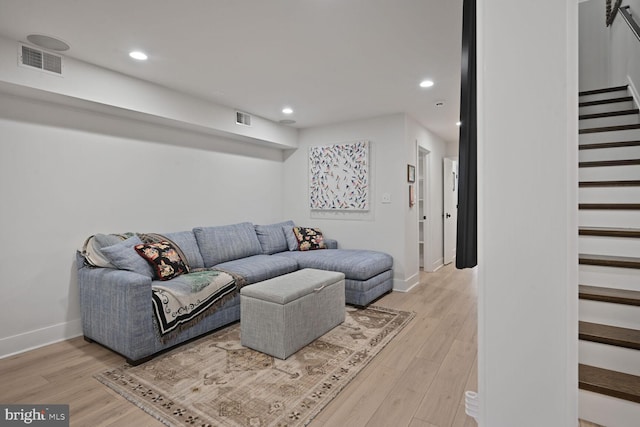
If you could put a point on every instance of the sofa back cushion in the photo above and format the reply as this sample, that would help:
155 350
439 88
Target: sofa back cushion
186 240
227 242
272 238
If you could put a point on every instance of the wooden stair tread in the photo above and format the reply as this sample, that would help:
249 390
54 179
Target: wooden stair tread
609 128
600 145
612 383
609 114
609 232
612 295
627 183
609 261
606 163
606 101
610 335
603 90
609 206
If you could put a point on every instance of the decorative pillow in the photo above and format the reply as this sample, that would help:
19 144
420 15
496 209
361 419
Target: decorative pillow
309 238
123 256
163 258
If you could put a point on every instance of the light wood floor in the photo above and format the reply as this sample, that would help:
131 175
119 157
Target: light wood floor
418 380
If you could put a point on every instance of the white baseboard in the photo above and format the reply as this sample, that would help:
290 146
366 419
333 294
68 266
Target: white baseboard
437 265
407 284
39 338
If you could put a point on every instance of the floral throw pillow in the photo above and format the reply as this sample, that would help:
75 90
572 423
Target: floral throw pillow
309 238
163 258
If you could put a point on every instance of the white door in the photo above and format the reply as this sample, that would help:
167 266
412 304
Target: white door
450 183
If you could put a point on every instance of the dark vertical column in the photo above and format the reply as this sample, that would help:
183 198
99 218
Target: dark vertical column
467 231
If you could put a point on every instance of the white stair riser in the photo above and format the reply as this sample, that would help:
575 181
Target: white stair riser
610 136
618 246
610 357
607 313
609 195
606 108
607 411
606 173
626 119
609 277
607 95
620 219
616 153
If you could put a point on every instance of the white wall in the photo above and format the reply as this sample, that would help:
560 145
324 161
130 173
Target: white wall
609 56
385 227
452 149
593 45
624 51
67 173
527 212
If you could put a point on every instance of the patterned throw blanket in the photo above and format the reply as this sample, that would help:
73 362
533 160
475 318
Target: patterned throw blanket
188 298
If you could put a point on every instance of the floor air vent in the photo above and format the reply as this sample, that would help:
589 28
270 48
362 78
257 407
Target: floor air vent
40 59
243 119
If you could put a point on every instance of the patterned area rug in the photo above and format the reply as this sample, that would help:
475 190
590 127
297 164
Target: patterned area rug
215 381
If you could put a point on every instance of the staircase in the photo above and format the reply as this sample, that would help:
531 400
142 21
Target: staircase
609 245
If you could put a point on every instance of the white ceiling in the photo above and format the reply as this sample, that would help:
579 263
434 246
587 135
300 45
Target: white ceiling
330 60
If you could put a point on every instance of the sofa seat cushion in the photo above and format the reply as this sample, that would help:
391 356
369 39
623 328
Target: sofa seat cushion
259 267
227 243
355 264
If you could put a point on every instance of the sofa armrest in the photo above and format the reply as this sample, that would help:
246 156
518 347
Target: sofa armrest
113 301
331 243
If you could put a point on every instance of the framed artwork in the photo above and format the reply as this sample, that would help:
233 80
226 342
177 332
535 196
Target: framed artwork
411 173
339 177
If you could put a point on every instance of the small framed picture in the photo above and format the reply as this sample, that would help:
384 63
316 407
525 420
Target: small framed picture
411 173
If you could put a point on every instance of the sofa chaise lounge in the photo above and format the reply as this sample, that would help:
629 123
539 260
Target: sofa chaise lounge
116 297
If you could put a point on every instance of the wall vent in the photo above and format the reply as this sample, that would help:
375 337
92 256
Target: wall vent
44 61
243 119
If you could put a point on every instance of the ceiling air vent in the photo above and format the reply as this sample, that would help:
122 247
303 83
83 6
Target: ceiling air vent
243 119
40 59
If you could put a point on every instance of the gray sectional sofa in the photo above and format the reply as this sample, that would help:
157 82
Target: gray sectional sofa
116 300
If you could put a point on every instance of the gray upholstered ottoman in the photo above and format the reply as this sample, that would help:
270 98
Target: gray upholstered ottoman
279 316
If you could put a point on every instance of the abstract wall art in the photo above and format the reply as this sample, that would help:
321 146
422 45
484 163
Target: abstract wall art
339 177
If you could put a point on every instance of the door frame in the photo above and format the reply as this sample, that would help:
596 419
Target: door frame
424 160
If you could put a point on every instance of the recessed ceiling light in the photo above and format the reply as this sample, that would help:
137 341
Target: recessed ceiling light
140 56
458 124
426 83
287 110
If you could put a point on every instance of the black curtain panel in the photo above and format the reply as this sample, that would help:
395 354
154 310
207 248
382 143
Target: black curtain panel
467 233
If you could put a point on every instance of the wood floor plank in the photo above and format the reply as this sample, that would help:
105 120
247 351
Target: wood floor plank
440 402
406 396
